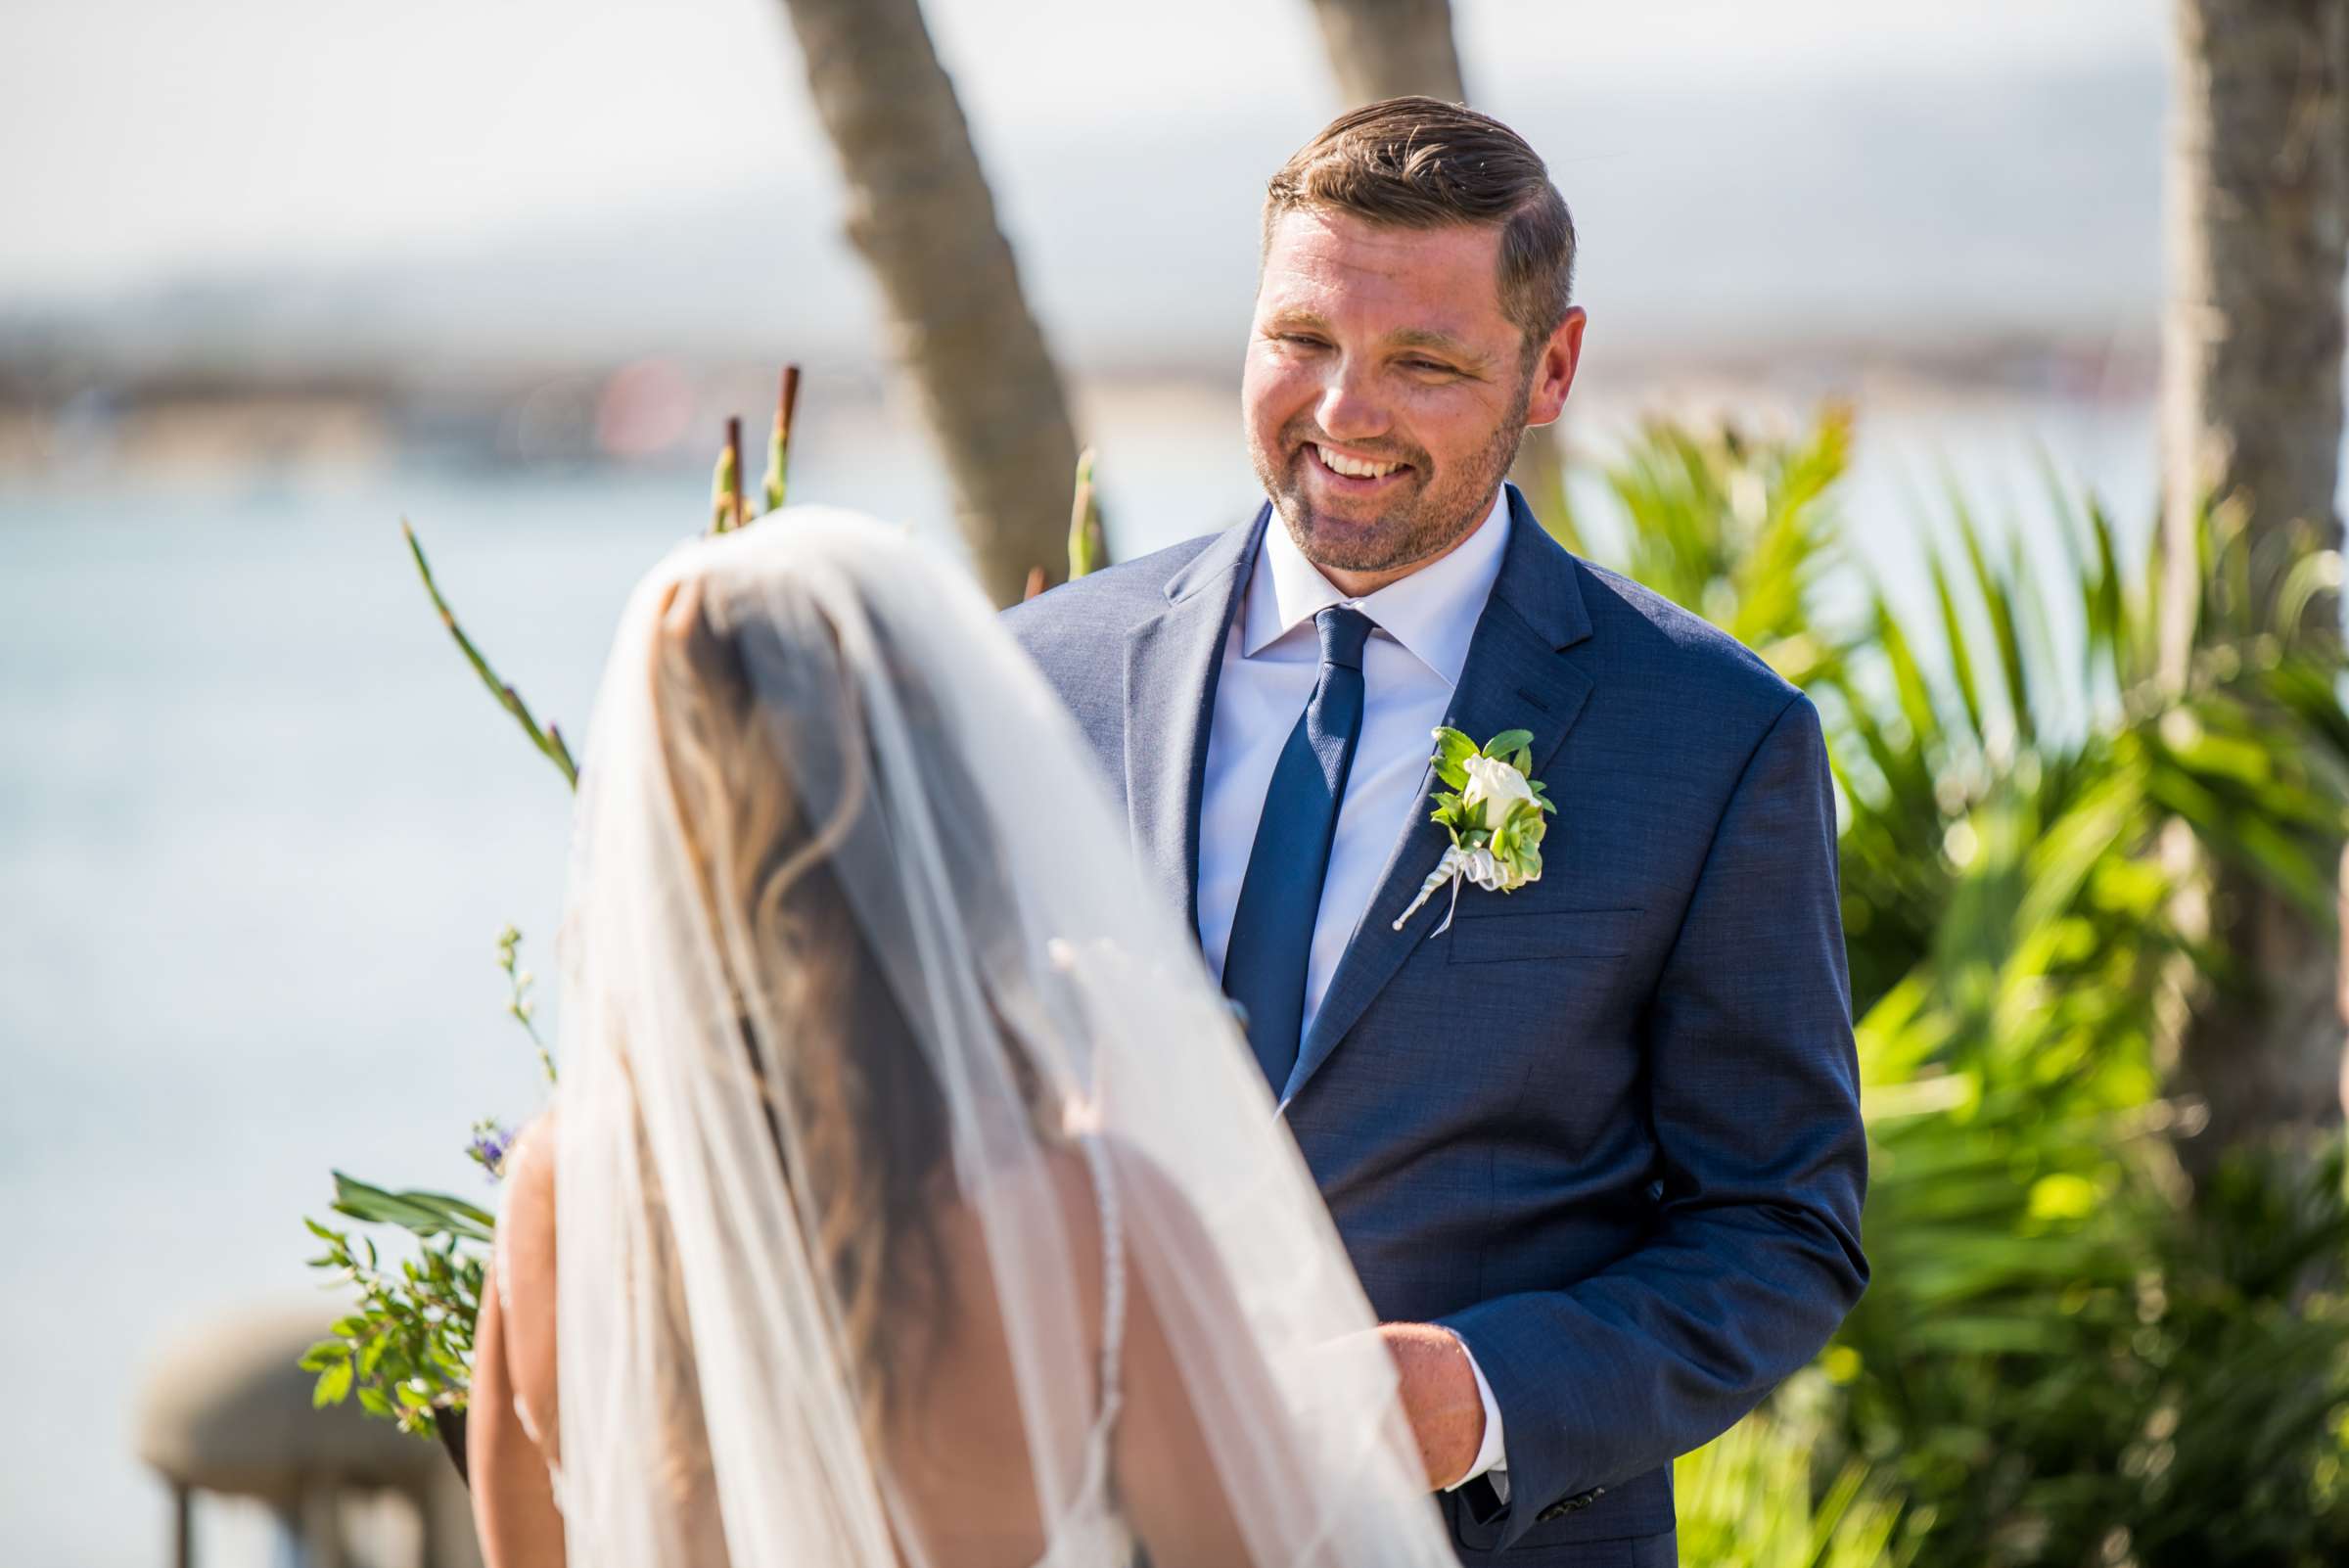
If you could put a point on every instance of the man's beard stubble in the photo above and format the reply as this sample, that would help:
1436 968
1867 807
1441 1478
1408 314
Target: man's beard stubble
1423 526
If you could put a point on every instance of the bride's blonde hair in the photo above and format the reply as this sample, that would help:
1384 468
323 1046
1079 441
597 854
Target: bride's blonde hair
856 1112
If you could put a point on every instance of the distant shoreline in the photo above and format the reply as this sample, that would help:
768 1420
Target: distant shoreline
64 417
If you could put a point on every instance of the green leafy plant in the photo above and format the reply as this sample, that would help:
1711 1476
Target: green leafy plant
406 1351
1089 541
549 739
2056 1337
1745 1502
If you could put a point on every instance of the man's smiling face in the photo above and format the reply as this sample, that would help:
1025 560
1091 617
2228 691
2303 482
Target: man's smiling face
1386 392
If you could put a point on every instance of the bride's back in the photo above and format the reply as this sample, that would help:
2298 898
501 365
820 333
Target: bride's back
959 1446
893 1117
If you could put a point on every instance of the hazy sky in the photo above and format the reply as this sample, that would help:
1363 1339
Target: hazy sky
140 139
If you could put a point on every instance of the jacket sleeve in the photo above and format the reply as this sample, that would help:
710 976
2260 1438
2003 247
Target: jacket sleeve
1753 1087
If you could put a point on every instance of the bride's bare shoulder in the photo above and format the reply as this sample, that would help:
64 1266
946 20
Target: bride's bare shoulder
525 1223
526 1267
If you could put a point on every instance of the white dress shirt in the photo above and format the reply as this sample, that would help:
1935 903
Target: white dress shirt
1272 660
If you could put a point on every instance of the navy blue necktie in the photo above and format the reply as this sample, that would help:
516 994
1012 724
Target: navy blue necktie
1272 926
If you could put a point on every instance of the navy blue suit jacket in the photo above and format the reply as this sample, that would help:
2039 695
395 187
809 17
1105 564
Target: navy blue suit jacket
1607 1127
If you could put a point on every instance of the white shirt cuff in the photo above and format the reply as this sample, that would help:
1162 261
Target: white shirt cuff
1489 1458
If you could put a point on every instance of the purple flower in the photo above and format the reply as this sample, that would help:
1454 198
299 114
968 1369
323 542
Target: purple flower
491 1144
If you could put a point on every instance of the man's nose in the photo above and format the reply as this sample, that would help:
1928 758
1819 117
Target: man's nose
1349 408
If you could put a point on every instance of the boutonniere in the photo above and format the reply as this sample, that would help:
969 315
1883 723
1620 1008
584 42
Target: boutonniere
1495 814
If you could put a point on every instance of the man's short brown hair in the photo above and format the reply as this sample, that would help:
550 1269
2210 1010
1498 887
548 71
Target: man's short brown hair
1423 163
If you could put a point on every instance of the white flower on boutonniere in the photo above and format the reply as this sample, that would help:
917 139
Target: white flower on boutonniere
1495 814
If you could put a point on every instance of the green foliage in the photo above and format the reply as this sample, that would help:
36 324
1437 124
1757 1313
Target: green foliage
1739 530
1089 540
730 507
1745 1502
549 740
519 1006
431 1215
1450 762
725 489
2061 1358
779 442
2205 1393
407 1350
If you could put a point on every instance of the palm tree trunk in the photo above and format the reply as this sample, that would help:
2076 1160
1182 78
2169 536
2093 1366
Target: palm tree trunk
920 212
1388 48
2252 353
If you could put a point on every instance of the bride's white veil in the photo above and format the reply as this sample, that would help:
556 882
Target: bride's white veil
853 965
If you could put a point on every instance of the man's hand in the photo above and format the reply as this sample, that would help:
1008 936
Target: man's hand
1439 1396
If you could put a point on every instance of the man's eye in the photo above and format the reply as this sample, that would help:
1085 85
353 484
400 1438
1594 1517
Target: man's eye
1426 365
1300 339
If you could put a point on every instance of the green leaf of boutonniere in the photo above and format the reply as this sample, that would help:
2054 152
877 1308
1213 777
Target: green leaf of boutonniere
1452 750
1511 740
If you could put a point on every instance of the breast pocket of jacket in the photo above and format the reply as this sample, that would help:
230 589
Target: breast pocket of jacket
1513 935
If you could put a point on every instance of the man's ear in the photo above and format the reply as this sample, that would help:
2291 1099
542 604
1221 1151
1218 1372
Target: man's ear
1553 372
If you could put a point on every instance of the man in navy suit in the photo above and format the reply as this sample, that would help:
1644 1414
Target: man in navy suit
1594 1144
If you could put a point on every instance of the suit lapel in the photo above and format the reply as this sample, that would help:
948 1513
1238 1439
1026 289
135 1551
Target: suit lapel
1515 679
1172 662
